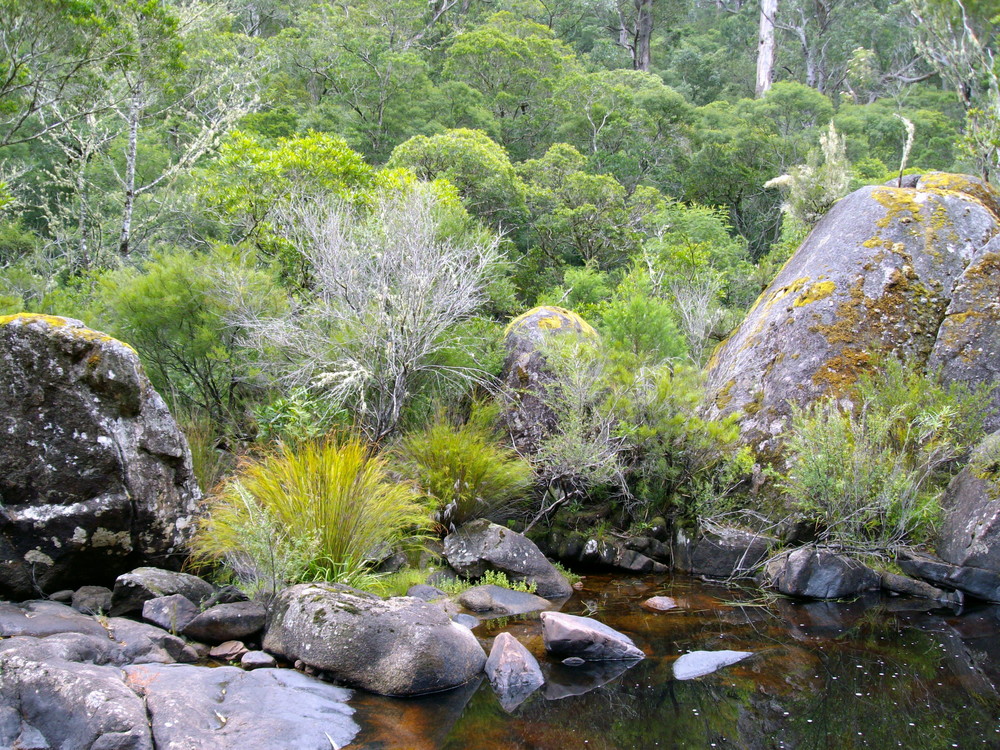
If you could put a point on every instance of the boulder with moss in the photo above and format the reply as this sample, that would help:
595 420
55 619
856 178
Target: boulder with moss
95 477
888 270
525 374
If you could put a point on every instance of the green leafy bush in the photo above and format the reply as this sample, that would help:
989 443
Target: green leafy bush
462 471
872 474
318 511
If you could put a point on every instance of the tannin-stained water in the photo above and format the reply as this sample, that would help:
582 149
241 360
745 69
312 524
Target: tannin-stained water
878 672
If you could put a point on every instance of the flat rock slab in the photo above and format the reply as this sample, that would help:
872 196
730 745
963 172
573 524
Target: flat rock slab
500 601
700 663
400 646
569 635
227 708
512 671
40 619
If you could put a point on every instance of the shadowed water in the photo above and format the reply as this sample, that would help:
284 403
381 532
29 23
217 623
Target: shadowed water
875 673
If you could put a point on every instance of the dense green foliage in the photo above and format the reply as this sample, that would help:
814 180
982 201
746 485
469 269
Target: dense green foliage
308 216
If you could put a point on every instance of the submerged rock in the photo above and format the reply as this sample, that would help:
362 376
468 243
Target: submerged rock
900 270
400 646
659 603
512 671
95 477
479 546
700 663
570 635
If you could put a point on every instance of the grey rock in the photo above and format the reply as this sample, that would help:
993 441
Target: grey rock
512 671
40 619
400 646
465 620
48 692
526 375
496 600
229 651
898 584
570 635
172 613
479 546
970 533
227 622
722 552
92 600
221 708
700 663
574 661
95 477
817 573
659 603
425 592
879 272
65 596
257 660
147 644
133 589
978 582
225 595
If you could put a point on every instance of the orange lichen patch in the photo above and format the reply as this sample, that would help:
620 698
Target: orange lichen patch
946 182
816 292
839 374
552 318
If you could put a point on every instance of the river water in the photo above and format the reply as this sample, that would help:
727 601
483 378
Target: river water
878 672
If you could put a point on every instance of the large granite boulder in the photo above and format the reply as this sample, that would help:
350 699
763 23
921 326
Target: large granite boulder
888 269
815 573
970 534
399 646
525 374
95 477
133 589
480 545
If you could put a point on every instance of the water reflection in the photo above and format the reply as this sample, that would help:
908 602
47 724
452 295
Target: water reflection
876 673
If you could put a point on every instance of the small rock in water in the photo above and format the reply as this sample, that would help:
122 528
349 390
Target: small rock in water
257 660
466 620
700 663
659 603
573 661
229 651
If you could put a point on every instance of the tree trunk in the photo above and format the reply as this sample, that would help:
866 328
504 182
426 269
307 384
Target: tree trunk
131 154
643 34
766 47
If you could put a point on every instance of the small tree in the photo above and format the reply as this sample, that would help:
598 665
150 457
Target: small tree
812 188
388 291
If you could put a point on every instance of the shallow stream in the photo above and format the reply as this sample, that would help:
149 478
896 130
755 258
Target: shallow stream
874 673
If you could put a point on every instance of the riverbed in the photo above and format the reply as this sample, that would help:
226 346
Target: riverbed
877 672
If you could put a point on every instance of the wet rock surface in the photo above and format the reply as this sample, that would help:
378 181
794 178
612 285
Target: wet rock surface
722 552
499 601
479 546
512 671
570 635
701 663
95 476
817 573
400 646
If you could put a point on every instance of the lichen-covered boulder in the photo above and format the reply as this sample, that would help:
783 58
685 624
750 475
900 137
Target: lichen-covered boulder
881 272
95 477
399 646
525 374
970 534
479 546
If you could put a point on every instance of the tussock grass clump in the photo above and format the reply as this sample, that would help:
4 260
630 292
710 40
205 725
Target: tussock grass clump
318 511
463 472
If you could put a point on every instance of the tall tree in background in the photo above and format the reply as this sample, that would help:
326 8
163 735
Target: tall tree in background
635 30
766 48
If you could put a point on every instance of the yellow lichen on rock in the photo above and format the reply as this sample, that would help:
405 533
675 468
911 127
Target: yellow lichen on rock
552 318
816 292
945 183
66 325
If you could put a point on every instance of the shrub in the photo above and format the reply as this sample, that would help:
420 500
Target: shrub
873 474
462 471
319 511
